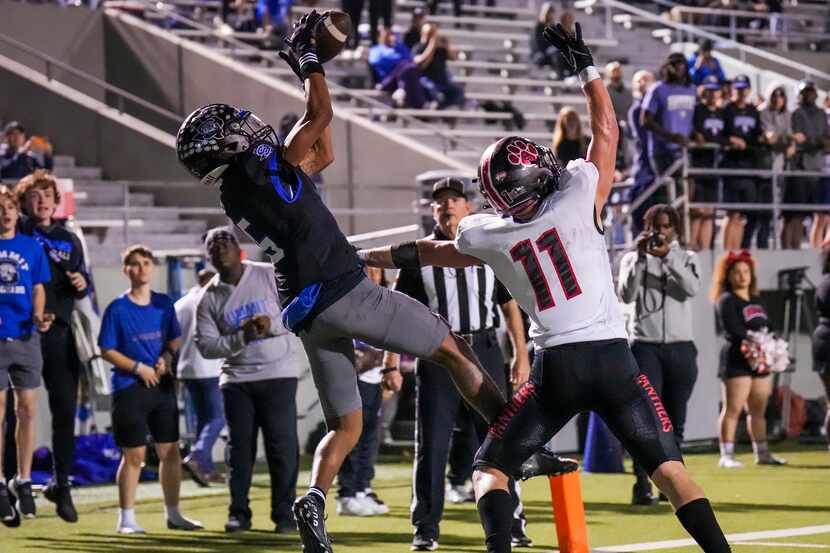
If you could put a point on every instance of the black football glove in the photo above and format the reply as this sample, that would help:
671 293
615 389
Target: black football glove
302 57
291 60
574 51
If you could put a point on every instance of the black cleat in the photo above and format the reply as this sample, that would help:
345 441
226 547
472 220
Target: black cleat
25 499
8 514
309 512
237 523
546 463
62 498
641 494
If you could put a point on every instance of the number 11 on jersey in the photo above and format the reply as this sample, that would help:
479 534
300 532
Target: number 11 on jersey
525 253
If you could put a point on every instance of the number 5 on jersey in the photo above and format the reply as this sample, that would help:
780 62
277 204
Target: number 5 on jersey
525 253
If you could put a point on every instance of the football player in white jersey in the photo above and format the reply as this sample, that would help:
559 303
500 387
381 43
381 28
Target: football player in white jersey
545 244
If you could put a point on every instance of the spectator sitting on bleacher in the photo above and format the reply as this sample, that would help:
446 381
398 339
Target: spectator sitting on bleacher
541 51
20 156
413 34
641 170
810 131
568 141
703 63
743 132
431 55
393 69
709 128
667 114
621 96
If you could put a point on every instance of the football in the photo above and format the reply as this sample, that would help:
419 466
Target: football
332 32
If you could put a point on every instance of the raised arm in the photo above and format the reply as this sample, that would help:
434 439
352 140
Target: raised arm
424 252
602 151
308 145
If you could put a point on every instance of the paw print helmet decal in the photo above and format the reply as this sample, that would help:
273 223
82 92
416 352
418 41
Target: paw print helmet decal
515 173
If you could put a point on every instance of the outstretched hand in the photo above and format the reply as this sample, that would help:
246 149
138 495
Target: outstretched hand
574 51
302 36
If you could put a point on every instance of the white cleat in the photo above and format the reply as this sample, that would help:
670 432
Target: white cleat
729 462
354 507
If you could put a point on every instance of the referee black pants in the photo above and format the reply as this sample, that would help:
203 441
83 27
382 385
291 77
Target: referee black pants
61 372
438 406
268 405
672 370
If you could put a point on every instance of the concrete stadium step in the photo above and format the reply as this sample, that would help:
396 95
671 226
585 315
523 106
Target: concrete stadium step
63 161
74 172
112 196
117 213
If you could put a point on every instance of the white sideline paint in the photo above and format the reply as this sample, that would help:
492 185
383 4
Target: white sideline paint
733 538
782 544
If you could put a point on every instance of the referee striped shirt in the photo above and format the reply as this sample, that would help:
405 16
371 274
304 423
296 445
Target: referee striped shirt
468 298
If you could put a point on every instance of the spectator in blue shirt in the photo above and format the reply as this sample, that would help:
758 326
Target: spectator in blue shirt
20 156
140 334
393 69
703 63
23 272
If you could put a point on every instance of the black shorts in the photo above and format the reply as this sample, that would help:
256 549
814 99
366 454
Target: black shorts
599 376
800 190
705 189
740 190
139 410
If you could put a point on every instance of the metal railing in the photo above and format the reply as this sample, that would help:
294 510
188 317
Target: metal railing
121 96
684 32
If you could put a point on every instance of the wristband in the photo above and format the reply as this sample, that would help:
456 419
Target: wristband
405 255
588 74
136 367
309 64
387 370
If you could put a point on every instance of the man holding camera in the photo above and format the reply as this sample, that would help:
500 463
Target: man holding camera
660 276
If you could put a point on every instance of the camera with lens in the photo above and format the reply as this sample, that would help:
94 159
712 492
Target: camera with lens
655 240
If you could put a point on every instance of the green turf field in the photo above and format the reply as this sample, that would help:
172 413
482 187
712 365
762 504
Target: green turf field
747 500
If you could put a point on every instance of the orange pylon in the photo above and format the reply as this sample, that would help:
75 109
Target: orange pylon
569 513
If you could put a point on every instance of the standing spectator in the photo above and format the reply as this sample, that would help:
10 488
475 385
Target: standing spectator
743 132
24 270
568 141
468 299
667 114
621 96
413 34
739 309
821 335
641 170
709 129
39 195
393 69
431 55
703 63
140 336
355 496
661 277
239 319
541 51
810 131
200 377
777 139
378 9
20 156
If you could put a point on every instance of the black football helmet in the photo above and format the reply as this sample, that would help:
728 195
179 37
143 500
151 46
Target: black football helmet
212 135
515 172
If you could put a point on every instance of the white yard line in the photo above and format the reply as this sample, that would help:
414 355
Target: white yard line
782 544
745 536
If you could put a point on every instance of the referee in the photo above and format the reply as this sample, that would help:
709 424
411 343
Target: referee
469 299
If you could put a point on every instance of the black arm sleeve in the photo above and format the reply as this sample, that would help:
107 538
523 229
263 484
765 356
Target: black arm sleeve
411 283
502 294
731 317
78 264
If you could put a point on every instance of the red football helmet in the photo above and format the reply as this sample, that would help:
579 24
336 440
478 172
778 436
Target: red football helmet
515 172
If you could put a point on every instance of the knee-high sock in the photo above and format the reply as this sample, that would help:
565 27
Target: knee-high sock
495 509
698 518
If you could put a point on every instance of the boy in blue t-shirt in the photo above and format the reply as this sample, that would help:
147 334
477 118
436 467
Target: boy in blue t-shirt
139 336
23 270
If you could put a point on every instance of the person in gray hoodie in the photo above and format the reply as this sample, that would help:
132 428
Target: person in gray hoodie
238 319
661 276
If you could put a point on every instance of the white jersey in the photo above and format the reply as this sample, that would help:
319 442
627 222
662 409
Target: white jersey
555 265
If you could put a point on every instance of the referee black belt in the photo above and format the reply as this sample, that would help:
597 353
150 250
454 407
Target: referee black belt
477 335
